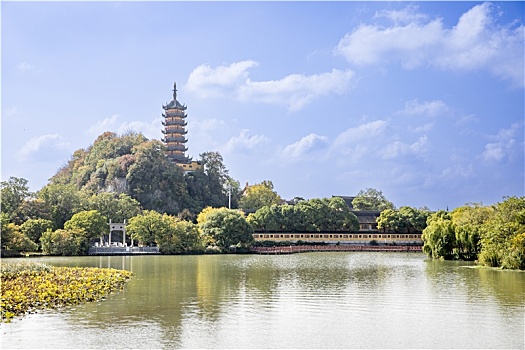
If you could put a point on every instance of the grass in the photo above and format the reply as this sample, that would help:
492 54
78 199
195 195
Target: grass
28 287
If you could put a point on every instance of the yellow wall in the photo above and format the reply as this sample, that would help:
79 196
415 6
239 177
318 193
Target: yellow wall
191 166
356 237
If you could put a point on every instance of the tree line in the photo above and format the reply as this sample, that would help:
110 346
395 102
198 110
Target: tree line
129 177
494 235
314 215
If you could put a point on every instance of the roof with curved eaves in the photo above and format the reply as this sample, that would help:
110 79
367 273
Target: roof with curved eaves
174 104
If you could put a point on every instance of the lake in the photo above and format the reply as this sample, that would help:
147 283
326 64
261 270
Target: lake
311 300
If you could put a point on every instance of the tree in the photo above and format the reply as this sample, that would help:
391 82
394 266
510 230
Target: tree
389 219
468 221
63 201
314 215
339 215
181 237
33 208
211 184
13 238
115 207
226 228
172 235
148 227
189 236
34 228
439 236
91 222
371 199
13 192
258 196
64 242
156 182
503 234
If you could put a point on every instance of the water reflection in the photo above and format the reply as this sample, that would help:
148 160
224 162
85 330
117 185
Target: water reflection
314 300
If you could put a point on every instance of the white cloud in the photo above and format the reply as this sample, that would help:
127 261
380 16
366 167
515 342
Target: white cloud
10 112
294 91
41 146
246 142
106 124
467 119
406 15
304 146
24 66
354 144
457 170
505 143
370 44
206 81
424 128
363 132
476 42
494 151
204 126
429 108
398 149
509 133
152 129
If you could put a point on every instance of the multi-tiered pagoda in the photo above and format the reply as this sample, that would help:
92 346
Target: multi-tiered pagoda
175 133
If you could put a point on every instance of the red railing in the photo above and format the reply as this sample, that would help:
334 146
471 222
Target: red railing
333 248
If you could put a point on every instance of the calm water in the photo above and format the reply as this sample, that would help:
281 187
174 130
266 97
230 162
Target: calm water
313 300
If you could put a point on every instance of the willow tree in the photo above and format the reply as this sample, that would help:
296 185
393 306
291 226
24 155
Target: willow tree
439 237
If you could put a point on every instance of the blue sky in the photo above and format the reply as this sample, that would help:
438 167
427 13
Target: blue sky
421 100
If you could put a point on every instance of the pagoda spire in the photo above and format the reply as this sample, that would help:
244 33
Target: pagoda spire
175 134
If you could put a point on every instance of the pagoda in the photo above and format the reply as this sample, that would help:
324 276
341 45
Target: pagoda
175 133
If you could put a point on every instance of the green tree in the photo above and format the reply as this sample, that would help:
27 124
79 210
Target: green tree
468 221
13 192
117 207
63 201
502 235
34 228
91 222
13 238
258 196
439 236
156 182
181 237
218 178
227 227
149 226
314 215
33 208
371 199
390 220
64 242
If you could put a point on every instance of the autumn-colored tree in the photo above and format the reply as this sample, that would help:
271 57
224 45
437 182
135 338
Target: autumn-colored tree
258 196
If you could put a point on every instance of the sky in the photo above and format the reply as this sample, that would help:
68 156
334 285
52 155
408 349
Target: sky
423 101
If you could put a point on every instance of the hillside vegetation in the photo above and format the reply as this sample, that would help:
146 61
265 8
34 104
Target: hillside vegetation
133 165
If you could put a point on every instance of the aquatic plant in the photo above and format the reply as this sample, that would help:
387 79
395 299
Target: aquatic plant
28 287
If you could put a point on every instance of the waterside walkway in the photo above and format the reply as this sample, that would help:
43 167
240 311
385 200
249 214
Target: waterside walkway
123 250
334 248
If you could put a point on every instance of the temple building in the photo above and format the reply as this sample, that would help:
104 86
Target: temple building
175 134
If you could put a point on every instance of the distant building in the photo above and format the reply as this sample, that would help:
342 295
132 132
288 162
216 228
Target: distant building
348 200
175 134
